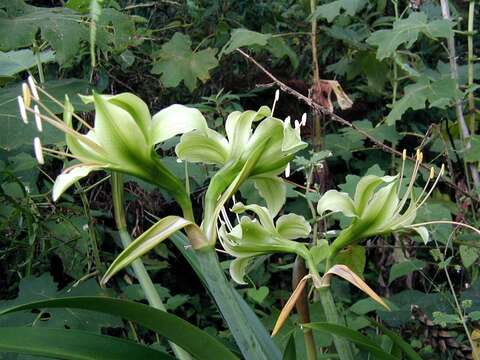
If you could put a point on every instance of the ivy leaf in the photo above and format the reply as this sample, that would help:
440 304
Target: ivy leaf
468 255
13 62
438 93
406 31
244 37
62 28
331 10
176 62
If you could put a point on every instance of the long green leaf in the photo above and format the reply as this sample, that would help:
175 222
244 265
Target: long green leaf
250 334
360 340
160 231
197 342
73 345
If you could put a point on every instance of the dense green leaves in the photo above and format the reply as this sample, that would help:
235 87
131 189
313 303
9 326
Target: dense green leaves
332 9
439 93
406 32
361 340
244 37
404 268
177 62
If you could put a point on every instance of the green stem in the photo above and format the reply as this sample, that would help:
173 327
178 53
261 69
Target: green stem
39 62
342 345
144 279
471 70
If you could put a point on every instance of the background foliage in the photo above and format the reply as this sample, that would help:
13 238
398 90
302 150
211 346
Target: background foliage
390 58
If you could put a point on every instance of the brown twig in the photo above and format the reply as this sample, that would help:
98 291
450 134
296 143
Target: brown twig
320 109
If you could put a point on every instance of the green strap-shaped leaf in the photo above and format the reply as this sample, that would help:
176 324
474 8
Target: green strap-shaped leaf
160 231
250 335
197 342
354 336
73 345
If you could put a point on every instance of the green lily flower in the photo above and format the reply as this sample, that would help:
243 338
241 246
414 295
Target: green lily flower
378 211
123 139
260 154
252 238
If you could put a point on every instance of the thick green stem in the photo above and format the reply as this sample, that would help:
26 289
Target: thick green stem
342 345
144 279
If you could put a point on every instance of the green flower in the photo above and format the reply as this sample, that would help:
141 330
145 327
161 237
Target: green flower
123 139
378 210
252 238
260 154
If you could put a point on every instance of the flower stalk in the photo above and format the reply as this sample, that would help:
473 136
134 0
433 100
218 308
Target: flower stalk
138 267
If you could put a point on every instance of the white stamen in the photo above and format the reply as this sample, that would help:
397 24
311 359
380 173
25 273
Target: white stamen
38 119
286 122
27 97
33 87
304 119
23 111
297 125
37 145
277 96
287 171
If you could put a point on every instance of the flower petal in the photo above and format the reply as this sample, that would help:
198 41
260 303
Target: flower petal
239 128
208 147
77 147
336 201
174 120
71 175
423 232
263 214
365 189
118 132
379 212
273 190
293 226
238 268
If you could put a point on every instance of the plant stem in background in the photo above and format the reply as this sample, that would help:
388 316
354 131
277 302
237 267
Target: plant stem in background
317 132
91 228
471 69
144 279
464 131
38 60
299 271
